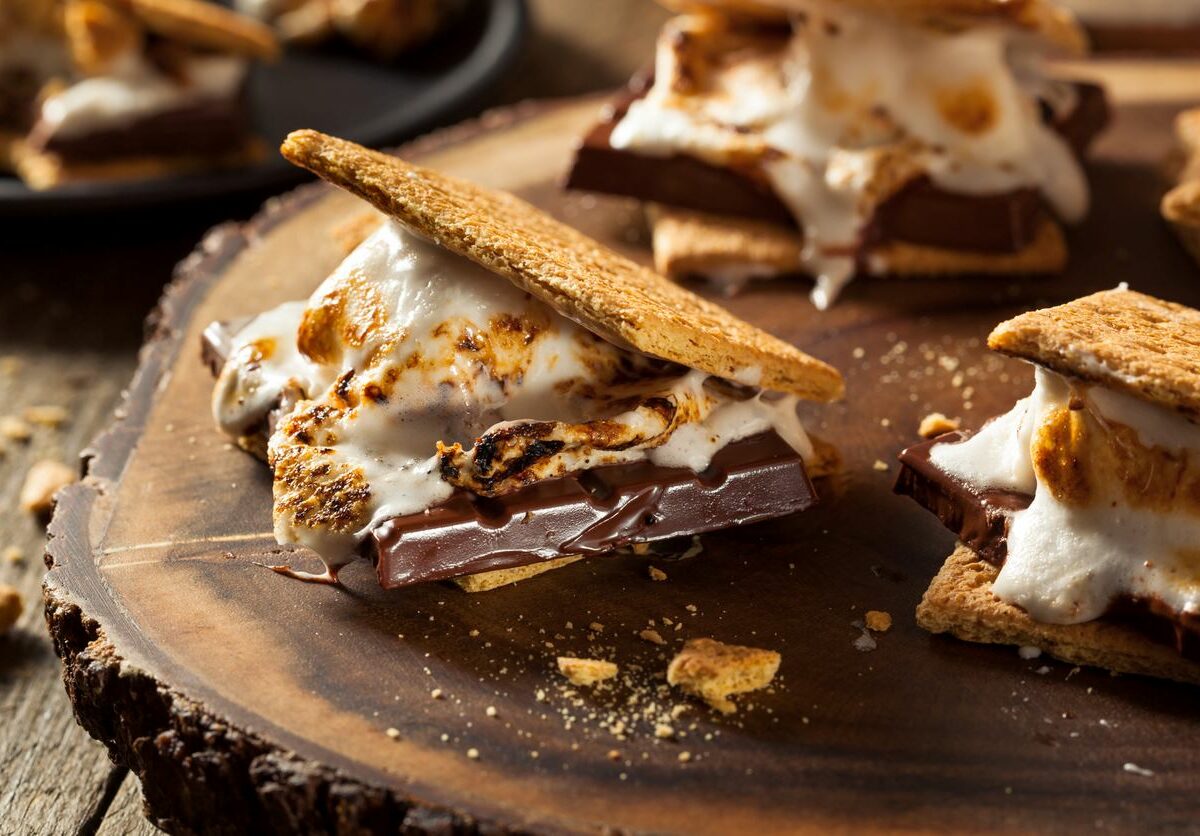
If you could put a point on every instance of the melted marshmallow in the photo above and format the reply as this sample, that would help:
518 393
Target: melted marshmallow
135 89
1067 562
407 345
817 116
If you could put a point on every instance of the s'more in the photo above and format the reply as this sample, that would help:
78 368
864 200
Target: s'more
835 138
480 393
1078 511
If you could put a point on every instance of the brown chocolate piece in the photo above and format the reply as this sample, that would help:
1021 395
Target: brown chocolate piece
1131 37
203 129
591 513
920 213
980 520
587 513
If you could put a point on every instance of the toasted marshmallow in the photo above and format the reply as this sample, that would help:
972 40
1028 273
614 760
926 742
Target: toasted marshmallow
134 89
853 107
411 372
1115 482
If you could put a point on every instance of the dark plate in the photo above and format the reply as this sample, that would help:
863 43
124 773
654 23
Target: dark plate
335 91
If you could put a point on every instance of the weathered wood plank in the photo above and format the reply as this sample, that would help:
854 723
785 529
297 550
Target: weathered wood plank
71 314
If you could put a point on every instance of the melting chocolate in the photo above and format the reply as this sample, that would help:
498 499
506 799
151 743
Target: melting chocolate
204 129
591 513
980 520
978 517
587 513
920 213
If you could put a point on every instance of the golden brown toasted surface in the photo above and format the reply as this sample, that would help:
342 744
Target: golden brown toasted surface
714 671
607 293
960 602
724 249
1120 339
1181 205
204 25
1055 25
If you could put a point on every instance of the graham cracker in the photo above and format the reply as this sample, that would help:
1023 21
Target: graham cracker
714 671
1181 205
42 170
696 244
960 602
1052 23
485 581
205 25
1119 339
614 297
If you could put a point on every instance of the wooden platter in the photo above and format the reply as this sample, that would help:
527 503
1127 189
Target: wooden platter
247 702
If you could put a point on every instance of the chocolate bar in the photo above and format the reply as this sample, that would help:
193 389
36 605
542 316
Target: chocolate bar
587 513
201 129
980 521
591 512
920 213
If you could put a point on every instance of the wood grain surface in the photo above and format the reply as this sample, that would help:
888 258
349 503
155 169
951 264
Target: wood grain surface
73 298
247 700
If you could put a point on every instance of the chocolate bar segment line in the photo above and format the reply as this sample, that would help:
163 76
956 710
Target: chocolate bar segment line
591 513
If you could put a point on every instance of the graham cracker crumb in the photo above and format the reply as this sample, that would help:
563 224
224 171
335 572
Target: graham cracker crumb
935 424
13 555
47 415
652 636
657 574
880 465
714 671
684 757
879 621
11 606
14 429
586 672
393 733
44 479
473 753
663 731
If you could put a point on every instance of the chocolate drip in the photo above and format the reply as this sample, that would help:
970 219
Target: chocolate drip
591 513
980 519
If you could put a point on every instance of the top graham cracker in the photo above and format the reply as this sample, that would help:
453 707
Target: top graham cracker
614 297
1126 341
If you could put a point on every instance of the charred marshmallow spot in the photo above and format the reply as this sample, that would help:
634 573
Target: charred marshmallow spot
412 373
1116 499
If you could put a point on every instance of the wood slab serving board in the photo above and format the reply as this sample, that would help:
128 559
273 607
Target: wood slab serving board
248 702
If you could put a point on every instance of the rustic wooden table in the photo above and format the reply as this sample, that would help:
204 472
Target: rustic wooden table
73 297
